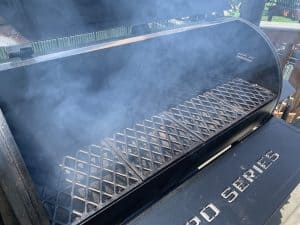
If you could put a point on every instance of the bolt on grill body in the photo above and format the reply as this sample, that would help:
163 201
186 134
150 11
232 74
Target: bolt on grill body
99 174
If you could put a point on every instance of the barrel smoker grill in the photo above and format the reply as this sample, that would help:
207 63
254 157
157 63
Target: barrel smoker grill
211 95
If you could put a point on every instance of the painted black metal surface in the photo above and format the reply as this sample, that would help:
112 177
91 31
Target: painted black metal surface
276 174
65 103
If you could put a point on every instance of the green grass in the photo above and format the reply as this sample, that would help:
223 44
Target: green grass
282 19
279 19
235 13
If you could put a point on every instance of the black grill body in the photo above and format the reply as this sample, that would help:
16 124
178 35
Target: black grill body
270 191
105 130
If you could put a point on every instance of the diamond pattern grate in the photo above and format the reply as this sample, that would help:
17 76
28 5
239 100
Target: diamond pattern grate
205 115
90 180
153 143
242 94
98 174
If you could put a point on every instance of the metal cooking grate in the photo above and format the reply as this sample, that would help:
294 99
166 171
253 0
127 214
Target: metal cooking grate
90 180
97 175
242 94
152 144
205 115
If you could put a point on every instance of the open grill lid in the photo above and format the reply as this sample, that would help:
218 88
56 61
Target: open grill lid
51 19
106 129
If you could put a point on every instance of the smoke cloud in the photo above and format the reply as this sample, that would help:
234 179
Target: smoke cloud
55 108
